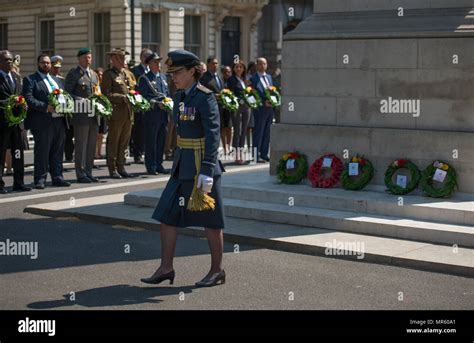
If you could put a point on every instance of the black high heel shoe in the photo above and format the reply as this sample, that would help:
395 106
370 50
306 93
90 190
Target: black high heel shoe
160 278
213 280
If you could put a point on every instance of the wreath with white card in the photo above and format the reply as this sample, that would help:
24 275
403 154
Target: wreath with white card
402 185
292 168
326 171
439 173
357 173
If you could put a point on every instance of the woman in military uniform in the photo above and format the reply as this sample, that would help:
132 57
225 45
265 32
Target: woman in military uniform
192 196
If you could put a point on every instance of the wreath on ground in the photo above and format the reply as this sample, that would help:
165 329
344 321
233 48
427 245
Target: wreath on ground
292 168
446 175
365 173
393 168
317 173
15 110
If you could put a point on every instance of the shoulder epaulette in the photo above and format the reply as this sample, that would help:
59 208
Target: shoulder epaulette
203 89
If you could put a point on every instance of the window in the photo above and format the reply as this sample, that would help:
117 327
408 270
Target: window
47 36
101 40
3 37
192 34
151 31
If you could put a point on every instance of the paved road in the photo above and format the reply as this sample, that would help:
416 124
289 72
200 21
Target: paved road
91 260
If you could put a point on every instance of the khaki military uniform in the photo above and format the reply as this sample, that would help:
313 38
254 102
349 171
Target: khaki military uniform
116 85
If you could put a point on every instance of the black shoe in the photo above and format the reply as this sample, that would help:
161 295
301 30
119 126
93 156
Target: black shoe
138 161
21 188
39 185
152 173
266 158
162 170
213 280
160 278
125 175
84 179
93 179
3 191
114 175
61 183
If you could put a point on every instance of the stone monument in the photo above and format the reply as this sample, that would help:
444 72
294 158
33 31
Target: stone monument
387 79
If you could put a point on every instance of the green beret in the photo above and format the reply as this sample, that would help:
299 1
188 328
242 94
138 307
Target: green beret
83 51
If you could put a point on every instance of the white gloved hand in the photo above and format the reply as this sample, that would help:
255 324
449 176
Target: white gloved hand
205 183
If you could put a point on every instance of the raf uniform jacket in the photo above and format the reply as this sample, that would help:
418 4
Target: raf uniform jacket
81 86
36 94
115 86
6 90
152 87
199 118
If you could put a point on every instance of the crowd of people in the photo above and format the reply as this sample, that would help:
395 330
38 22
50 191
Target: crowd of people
149 137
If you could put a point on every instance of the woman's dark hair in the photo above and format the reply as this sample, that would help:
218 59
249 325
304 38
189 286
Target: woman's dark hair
244 73
197 71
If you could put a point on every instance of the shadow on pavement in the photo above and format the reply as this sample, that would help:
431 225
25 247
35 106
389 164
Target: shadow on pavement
117 295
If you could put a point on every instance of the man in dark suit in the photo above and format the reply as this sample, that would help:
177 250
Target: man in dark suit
263 115
211 80
154 87
47 126
81 82
137 141
10 136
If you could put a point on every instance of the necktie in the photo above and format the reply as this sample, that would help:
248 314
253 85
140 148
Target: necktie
267 84
219 85
51 83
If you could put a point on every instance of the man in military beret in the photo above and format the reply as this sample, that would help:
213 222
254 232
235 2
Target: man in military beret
81 83
154 87
116 83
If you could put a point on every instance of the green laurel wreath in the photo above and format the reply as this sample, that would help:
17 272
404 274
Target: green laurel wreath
138 105
301 164
357 182
228 100
450 183
15 110
65 110
252 92
273 96
402 164
102 105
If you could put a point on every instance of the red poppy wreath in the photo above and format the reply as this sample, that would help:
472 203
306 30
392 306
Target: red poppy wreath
326 171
